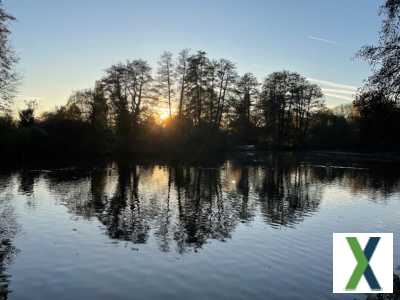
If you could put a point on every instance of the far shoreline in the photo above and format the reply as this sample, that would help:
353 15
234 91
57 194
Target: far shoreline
256 156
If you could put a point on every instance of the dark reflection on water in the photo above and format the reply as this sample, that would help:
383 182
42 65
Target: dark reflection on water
195 204
8 229
264 208
184 207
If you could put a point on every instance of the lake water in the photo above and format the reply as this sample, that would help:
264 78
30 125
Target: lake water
239 230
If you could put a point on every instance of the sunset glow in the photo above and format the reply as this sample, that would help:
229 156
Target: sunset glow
163 114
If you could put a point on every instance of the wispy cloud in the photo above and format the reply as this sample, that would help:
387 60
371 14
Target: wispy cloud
319 39
333 84
338 96
338 91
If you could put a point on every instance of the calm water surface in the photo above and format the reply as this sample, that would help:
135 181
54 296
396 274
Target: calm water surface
146 231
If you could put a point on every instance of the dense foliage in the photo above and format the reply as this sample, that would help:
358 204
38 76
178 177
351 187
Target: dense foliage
379 101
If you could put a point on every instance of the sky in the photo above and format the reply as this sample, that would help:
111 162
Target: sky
65 45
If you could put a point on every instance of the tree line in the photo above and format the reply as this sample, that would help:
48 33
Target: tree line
209 107
206 107
200 92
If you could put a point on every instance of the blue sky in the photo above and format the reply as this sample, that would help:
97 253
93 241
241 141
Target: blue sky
66 45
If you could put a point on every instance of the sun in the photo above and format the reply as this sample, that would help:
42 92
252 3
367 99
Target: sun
163 115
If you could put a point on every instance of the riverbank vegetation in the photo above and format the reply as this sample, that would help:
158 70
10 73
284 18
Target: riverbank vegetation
193 105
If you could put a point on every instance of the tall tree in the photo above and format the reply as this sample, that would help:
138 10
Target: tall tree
181 72
226 77
208 83
138 86
378 103
92 104
242 117
307 98
166 78
287 102
385 56
115 85
197 73
8 59
128 86
274 104
82 100
99 108
246 90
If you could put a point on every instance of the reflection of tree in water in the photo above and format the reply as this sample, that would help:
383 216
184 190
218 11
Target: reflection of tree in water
203 213
8 228
200 204
189 210
72 187
376 181
243 176
123 214
288 193
27 182
183 208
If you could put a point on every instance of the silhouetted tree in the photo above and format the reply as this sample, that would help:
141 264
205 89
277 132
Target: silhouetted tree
127 86
197 73
8 59
116 86
287 101
226 77
80 102
217 109
27 115
181 72
99 108
208 84
329 131
379 118
166 78
385 57
275 106
307 99
378 103
242 102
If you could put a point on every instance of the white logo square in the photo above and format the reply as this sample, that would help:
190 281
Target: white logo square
363 263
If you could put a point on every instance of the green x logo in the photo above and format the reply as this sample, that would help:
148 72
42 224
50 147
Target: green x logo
363 267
